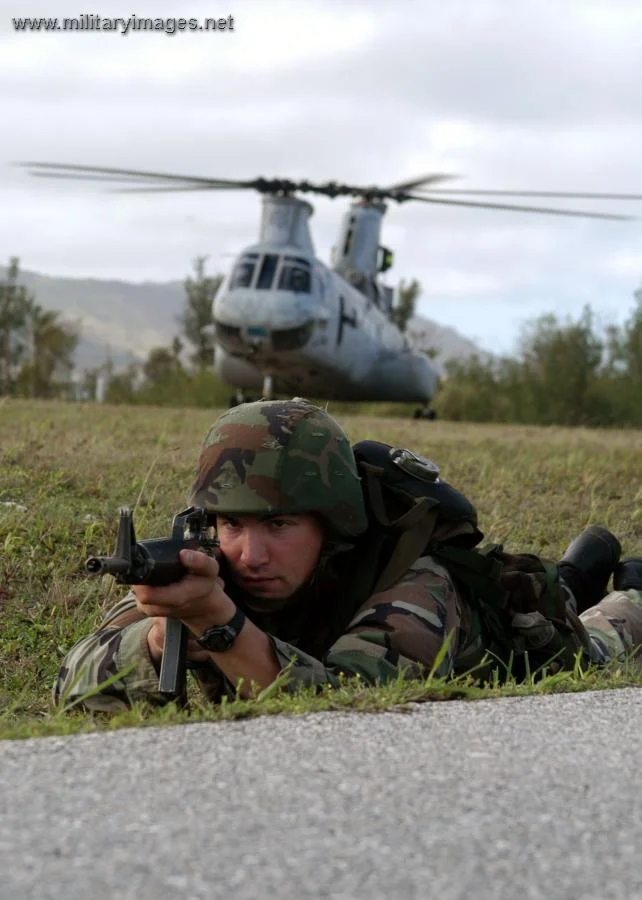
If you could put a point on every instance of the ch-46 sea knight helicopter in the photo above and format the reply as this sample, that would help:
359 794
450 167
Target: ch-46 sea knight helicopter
287 323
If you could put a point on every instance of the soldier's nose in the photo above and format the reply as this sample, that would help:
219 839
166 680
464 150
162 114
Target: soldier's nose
254 550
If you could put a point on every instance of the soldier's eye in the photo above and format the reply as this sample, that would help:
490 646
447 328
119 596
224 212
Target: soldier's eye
228 523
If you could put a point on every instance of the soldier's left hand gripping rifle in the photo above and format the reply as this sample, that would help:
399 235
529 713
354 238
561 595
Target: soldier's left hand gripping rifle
157 562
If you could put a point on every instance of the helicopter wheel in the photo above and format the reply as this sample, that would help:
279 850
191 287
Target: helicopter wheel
237 399
424 413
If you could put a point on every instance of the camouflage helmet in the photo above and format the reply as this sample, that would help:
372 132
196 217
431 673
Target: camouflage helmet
280 456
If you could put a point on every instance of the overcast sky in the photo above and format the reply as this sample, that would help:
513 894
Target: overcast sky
508 95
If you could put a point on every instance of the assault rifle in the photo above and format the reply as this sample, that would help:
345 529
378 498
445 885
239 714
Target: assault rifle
157 562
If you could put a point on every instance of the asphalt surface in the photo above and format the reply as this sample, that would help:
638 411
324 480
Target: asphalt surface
513 798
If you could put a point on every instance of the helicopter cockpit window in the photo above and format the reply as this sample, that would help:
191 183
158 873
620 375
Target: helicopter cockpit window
243 271
268 268
295 275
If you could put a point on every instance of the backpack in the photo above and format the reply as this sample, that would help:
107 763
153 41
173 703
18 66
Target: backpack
522 604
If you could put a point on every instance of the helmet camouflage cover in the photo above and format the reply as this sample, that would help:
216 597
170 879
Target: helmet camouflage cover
280 457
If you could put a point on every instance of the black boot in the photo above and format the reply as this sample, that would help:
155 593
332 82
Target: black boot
588 563
628 574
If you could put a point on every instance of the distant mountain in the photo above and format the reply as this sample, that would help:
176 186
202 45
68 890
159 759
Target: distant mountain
125 320
118 318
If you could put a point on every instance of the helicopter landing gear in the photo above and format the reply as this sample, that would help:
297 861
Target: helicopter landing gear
268 388
425 413
236 399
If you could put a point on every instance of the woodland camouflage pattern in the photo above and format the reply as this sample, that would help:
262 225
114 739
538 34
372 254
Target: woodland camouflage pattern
280 456
290 457
398 632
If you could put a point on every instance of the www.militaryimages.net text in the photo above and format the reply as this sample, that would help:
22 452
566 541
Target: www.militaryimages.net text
124 26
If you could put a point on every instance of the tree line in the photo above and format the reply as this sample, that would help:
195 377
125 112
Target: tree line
36 347
180 373
563 373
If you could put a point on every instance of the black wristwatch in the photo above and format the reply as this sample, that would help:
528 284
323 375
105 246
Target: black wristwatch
219 638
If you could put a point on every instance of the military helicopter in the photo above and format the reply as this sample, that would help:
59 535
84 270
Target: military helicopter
285 322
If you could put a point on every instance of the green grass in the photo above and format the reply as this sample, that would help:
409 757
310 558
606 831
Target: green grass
68 467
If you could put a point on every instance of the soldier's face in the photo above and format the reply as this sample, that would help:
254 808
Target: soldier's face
270 557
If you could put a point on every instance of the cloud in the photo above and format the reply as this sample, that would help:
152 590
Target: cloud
531 95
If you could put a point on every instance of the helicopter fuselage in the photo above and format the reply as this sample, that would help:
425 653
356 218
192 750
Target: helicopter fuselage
283 314
284 321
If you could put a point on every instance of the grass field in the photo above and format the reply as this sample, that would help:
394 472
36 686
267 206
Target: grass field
66 468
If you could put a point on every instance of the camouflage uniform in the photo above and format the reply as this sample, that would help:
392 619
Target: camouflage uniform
291 457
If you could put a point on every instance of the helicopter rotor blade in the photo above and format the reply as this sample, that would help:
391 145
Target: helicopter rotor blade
515 208
149 181
135 177
99 172
140 181
151 189
571 195
415 183
77 176
172 189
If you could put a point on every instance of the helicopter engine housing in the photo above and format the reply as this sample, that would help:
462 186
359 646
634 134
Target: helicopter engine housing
355 256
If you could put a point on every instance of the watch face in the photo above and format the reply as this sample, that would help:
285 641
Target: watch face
221 637
218 639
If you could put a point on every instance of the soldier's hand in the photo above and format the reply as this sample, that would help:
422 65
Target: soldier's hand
156 643
198 599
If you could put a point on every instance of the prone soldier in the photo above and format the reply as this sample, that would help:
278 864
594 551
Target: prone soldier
303 583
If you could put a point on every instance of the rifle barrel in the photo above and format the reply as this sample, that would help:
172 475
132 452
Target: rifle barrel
112 565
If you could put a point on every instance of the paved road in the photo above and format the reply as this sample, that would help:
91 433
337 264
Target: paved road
515 798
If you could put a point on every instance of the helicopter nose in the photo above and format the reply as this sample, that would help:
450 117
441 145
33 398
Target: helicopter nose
263 338
280 340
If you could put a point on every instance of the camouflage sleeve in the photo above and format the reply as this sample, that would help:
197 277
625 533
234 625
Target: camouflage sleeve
614 626
400 631
116 652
